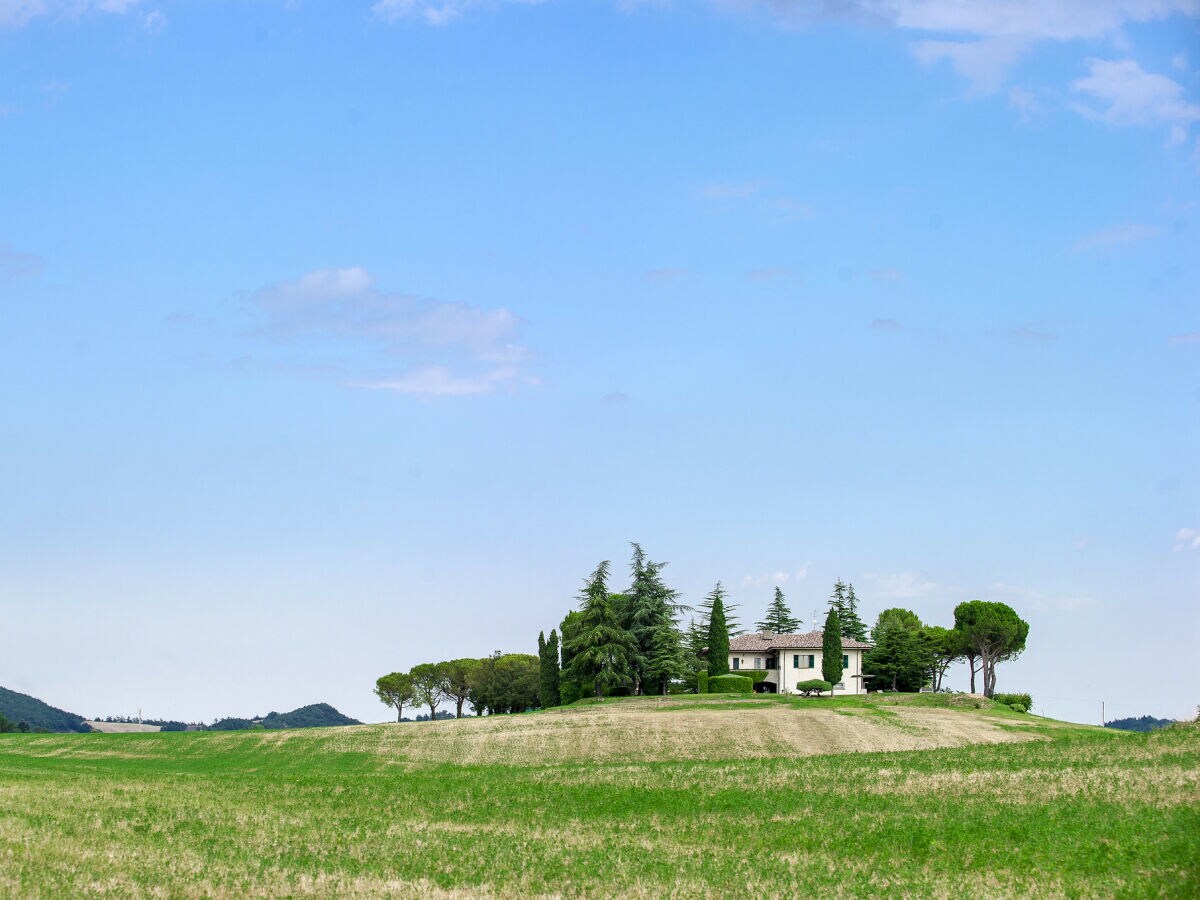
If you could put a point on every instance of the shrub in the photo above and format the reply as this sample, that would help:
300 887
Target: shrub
1019 702
730 684
755 675
702 682
814 686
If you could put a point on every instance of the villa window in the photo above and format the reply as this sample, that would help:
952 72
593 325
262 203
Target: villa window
795 660
758 662
840 686
737 663
845 660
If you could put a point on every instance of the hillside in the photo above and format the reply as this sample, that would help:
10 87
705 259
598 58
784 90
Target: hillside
23 708
644 797
316 715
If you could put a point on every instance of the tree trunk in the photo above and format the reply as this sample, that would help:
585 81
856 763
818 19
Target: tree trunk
458 711
971 666
399 711
432 712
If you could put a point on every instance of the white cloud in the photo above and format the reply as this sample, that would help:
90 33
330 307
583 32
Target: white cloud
1187 539
154 21
17 13
1191 337
900 585
434 12
1107 238
778 578
1122 93
441 348
984 63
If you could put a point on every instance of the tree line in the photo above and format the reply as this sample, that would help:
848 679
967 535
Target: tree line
631 641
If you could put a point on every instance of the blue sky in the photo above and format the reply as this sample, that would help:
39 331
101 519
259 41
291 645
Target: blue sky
339 337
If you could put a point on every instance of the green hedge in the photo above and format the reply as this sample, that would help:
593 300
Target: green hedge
1019 702
755 675
730 684
702 682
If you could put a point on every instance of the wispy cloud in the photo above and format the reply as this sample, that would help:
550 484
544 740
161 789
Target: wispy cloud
1191 337
1107 238
427 347
1032 335
777 578
886 325
1187 539
18 13
436 12
1120 92
905 585
15 264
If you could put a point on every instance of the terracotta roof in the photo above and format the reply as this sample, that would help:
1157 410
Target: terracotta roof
812 640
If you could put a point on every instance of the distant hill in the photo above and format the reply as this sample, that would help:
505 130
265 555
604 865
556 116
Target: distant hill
19 708
316 715
1143 723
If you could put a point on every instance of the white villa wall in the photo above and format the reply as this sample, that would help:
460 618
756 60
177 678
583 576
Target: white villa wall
787 679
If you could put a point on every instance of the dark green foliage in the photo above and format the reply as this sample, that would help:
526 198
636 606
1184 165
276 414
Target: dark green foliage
779 618
853 626
395 690
316 715
431 685
730 684
506 683
570 687
650 615
458 682
994 632
814 686
602 650
731 621
902 658
695 642
549 688
831 648
702 682
1142 723
1019 702
36 714
718 633
7 726
946 646
233 724
755 675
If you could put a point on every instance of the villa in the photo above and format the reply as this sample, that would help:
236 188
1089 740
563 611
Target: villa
789 659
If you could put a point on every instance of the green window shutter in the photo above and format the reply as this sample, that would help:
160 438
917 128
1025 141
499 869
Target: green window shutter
845 660
795 660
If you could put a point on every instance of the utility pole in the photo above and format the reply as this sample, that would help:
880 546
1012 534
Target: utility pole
1101 713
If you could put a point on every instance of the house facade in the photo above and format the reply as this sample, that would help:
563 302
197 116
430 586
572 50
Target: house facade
789 659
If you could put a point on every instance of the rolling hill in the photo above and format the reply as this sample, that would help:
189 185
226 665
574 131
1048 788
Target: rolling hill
924 795
19 707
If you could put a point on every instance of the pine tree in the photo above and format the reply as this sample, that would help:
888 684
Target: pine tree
837 600
718 633
668 658
852 626
696 648
602 650
831 649
650 605
779 618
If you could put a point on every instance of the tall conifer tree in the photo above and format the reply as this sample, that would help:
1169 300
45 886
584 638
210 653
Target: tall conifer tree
779 618
718 633
831 649
602 650
852 625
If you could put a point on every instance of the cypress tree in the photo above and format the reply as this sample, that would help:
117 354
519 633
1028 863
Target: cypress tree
548 686
718 633
732 625
831 650
779 618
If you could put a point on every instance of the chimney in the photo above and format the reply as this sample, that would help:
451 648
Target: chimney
767 635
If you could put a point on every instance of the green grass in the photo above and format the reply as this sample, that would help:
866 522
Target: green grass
381 809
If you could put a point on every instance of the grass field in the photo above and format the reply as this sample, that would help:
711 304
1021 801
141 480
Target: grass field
687 796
